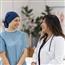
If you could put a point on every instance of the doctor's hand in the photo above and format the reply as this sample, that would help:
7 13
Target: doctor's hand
33 63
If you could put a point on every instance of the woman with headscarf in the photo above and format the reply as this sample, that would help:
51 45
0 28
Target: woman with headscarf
13 43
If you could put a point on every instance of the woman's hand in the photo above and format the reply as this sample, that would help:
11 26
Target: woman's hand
33 63
4 58
22 59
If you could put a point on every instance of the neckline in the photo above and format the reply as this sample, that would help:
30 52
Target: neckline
48 39
10 32
51 37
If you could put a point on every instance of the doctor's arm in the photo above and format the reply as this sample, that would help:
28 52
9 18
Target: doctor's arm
58 51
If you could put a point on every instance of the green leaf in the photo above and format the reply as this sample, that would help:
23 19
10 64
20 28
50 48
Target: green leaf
29 11
43 13
23 12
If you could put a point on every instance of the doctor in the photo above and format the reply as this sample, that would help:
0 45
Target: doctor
50 48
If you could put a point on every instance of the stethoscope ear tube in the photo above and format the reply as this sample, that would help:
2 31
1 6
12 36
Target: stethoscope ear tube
50 43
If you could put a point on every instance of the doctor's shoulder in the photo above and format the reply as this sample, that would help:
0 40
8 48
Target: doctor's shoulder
59 40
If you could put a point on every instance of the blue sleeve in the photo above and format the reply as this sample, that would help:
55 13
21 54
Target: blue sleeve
2 45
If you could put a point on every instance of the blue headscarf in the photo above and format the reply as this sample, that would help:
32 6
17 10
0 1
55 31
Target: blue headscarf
9 17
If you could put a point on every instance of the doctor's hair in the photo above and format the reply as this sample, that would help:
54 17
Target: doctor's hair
53 24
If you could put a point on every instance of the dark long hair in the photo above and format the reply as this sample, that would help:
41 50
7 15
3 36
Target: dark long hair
54 25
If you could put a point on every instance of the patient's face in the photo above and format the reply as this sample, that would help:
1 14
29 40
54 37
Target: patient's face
15 23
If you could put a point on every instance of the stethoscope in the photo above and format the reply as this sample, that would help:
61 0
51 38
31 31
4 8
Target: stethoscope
47 40
50 43
43 43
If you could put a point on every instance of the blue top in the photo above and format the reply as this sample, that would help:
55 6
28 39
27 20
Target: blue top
13 43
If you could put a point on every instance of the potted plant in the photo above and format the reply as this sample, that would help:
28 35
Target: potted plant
33 26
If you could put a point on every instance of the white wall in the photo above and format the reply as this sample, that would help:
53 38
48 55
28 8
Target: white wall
0 17
12 5
37 5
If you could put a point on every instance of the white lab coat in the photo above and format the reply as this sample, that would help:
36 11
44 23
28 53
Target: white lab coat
56 54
